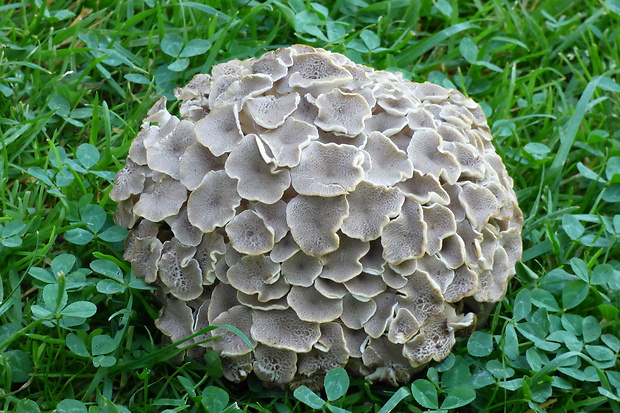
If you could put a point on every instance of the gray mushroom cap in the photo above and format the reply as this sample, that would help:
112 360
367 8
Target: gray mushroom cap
287 141
165 155
366 286
257 274
128 181
343 264
275 365
329 288
213 203
306 109
137 151
145 255
258 180
231 344
284 249
154 133
270 111
209 252
179 271
378 323
440 224
436 337
220 130
327 169
404 327
252 301
464 284
183 230
480 204
164 200
422 296
389 164
301 269
237 368
195 163
274 216
124 215
425 189
270 64
201 322
385 123
249 234
370 209
175 320
310 305
342 112
418 118
404 238
355 312
392 278
426 152
224 298
316 72
237 88
283 329
329 352
314 221
387 359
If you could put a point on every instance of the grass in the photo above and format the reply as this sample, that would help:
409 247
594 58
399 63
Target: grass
76 78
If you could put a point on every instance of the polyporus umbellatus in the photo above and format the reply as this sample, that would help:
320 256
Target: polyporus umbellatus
336 215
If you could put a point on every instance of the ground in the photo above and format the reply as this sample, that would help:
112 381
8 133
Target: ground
77 77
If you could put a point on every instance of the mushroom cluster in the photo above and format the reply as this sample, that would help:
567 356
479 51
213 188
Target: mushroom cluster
336 215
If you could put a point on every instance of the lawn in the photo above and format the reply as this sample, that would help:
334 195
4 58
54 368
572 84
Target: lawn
77 329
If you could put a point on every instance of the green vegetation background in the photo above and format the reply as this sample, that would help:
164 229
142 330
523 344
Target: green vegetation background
77 77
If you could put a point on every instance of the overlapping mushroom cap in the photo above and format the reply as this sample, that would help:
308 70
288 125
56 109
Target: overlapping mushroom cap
336 215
